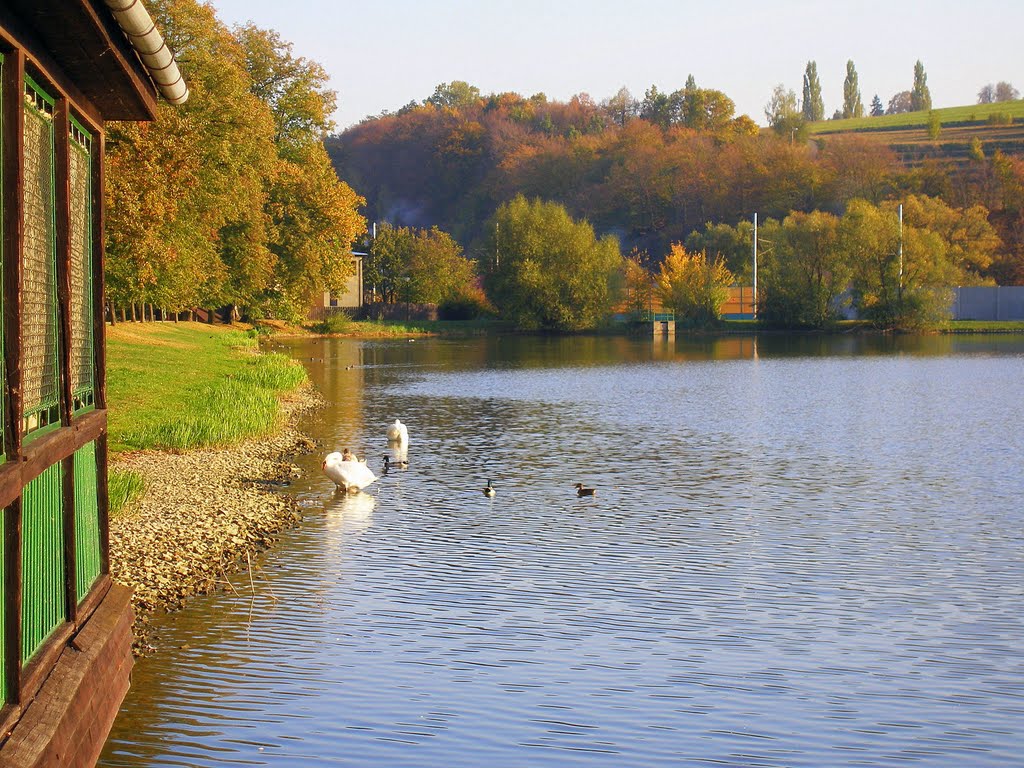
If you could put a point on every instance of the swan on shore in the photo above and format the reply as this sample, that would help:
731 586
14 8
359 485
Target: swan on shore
398 433
347 475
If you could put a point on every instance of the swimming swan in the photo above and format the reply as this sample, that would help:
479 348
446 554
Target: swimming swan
347 475
489 490
398 433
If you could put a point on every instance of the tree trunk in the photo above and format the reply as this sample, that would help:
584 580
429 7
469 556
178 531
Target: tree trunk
110 306
209 316
135 316
124 319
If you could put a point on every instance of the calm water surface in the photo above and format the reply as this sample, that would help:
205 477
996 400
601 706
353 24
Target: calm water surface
801 553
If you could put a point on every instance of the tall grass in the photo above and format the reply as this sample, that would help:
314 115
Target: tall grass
192 387
123 488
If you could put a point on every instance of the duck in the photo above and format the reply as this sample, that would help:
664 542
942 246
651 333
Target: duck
581 490
389 462
398 433
349 476
489 489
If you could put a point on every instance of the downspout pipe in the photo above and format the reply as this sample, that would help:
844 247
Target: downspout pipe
134 19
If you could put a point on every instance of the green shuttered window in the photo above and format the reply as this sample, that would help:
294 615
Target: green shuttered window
87 524
39 281
80 231
42 559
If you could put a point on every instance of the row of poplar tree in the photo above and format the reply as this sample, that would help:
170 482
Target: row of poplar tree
231 198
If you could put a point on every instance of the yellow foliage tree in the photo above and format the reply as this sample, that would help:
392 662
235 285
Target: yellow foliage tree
695 286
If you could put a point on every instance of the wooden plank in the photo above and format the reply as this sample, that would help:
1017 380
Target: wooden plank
34 674
12 120
47 450
92 601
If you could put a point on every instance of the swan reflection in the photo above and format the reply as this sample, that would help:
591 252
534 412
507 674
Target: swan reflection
350 512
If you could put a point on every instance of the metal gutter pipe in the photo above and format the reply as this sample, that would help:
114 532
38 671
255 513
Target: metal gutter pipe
134 19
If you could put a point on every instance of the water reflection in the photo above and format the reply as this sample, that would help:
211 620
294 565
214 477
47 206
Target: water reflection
801 553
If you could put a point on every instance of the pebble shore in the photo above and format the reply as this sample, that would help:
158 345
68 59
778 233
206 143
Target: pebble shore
203 516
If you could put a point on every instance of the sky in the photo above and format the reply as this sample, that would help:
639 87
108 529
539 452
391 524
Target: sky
382 55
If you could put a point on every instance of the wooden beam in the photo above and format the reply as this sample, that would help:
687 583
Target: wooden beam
99 296
13 122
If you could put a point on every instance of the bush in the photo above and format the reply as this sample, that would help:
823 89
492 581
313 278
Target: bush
1000 118
336 322
466 306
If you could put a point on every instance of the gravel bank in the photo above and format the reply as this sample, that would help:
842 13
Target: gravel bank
202 514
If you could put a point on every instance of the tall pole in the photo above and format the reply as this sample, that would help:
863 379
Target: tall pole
900 288
755 266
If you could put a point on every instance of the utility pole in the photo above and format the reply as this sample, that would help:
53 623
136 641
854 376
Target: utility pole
900 288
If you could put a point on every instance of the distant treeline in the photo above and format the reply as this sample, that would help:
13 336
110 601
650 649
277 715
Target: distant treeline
650 171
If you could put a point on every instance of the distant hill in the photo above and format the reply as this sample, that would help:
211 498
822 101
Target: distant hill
998 126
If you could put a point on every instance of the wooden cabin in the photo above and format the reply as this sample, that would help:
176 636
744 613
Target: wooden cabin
66 67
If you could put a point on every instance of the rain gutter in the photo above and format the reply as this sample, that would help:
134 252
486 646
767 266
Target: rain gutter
145 38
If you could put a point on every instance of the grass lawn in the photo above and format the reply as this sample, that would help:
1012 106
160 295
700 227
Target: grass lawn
175 386
973 113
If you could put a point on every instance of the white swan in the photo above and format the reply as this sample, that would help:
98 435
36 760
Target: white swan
347 475
398 434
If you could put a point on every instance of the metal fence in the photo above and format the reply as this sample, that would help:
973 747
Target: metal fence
1003 302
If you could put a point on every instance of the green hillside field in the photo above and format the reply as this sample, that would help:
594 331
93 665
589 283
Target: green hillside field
997 127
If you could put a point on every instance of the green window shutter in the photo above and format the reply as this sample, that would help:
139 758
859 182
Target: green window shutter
82 354
42 559
39 361
87 523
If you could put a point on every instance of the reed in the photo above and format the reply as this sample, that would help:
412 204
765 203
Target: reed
192 386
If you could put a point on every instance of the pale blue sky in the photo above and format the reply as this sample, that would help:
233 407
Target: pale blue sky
381 55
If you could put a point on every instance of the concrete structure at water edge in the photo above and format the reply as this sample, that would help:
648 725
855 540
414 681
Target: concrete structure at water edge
66 67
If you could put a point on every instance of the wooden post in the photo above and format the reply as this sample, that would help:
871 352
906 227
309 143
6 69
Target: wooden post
13 120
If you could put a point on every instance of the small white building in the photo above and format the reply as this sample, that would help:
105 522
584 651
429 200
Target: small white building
350 298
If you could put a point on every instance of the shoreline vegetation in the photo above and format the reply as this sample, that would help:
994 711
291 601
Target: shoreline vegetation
201 425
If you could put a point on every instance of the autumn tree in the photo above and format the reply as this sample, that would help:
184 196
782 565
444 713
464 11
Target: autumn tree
186 193
920 96
900 103
783 115
852 104
695 286
549 272
804 271
1006 92
637 281
900 279
313 215
813 106
735 244
455 95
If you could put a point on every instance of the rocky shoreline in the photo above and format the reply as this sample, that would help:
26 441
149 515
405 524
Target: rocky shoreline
203 516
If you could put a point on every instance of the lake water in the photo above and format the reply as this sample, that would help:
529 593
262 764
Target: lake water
801 553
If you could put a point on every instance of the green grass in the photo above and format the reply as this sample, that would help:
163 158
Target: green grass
176 386
124 487
974 113
985 326
389 328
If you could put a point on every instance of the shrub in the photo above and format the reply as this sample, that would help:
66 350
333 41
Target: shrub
336 322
